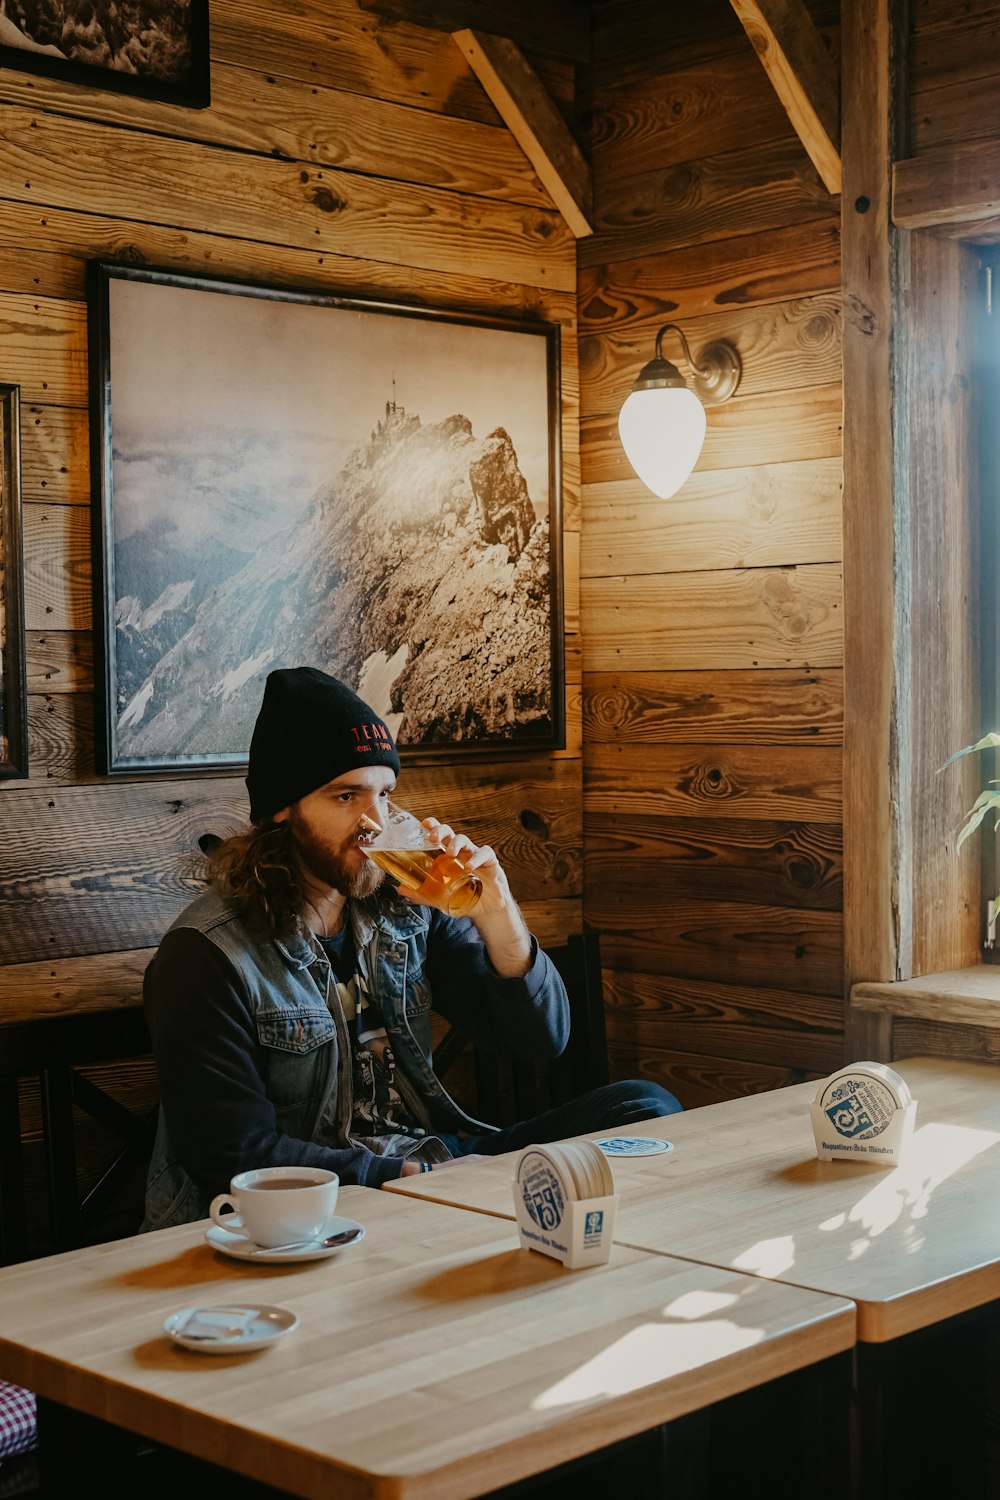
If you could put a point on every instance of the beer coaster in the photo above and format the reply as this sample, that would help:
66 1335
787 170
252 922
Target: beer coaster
579 1167
633 1145
574 1168
542 1187
589 1167
883 1073
860 1102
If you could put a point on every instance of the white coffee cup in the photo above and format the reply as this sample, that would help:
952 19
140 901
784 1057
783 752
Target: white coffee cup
278 1205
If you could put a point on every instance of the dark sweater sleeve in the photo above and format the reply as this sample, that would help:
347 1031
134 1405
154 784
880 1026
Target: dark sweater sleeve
212 1090
527 1017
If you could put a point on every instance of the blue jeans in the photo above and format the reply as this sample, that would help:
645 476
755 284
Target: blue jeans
613 1107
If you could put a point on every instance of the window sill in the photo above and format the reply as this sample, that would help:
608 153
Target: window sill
966 997
954 1013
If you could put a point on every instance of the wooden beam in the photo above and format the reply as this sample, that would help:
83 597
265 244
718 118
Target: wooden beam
876 921
803 74
950 185
524 105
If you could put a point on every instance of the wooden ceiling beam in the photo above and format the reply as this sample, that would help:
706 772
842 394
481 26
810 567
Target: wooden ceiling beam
950 185
803 74
526 108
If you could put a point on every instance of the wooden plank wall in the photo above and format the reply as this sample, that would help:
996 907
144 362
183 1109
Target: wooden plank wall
712 623
954 72
342 152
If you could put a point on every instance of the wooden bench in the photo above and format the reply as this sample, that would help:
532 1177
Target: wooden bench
54 1053
50 1055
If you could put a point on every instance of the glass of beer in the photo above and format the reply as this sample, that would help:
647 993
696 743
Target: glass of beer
415 860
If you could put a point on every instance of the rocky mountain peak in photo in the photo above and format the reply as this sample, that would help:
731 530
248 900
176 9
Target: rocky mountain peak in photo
419 575
148 37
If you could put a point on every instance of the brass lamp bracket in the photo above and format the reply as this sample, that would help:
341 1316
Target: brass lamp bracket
714 376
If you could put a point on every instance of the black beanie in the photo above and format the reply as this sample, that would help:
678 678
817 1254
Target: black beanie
310 729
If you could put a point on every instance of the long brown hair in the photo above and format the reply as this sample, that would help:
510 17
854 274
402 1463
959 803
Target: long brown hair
259 872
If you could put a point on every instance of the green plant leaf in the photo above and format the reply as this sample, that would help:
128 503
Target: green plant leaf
989 741
977 812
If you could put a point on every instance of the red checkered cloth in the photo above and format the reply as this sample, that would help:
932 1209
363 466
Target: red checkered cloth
17 1420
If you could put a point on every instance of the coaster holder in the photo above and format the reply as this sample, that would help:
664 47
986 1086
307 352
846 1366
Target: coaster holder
576 1231
582 1237
879 1137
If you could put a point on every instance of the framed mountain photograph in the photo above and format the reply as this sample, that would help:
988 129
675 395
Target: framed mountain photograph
13 703
287 478
157 49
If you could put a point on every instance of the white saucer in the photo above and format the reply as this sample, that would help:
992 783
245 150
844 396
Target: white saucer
633 1145
229 1329
244 1249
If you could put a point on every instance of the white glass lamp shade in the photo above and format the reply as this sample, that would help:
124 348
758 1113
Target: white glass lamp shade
662 431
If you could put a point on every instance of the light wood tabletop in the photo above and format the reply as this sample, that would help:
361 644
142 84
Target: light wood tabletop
743 1189
433 1359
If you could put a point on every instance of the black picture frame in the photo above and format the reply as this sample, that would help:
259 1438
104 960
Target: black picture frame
285 477
13 677
177 72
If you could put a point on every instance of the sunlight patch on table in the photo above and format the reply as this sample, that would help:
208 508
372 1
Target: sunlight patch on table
934 1153
699 1304
647 1355
768 1257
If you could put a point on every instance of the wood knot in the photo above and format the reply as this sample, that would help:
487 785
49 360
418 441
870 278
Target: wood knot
712 783
861 316
607 709
326 202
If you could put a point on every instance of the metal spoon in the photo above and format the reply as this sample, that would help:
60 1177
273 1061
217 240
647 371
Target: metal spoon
343 1238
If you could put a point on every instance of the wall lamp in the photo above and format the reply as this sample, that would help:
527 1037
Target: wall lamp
662 424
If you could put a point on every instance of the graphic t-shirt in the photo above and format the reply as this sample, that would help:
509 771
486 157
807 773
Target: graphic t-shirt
378 1105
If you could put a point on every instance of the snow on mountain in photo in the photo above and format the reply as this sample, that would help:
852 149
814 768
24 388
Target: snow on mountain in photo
424 550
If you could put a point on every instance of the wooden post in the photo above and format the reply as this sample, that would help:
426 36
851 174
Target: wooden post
876 921
868 1034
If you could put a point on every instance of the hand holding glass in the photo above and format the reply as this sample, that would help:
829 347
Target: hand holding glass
416 861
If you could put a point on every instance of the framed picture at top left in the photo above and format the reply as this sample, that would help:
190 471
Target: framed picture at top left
156 49
13 704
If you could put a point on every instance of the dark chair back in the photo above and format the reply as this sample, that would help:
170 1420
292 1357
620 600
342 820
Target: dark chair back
512 1089
53 1052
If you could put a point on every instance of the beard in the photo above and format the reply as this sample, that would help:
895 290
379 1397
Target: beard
328 862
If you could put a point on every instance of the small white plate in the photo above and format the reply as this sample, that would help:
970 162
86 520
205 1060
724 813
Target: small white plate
633 1145
228 1329
243 1249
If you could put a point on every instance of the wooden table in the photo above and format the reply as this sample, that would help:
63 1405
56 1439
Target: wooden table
916 1248
434 1359
743 1189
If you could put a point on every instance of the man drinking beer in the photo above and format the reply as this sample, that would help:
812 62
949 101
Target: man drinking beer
290 1004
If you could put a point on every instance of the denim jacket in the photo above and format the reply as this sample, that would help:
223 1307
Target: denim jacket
301 1048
